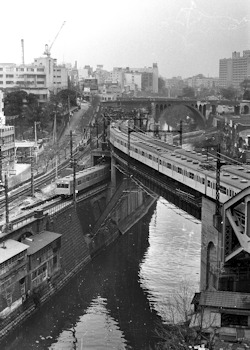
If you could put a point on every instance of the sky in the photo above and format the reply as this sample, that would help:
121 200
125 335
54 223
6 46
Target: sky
184 37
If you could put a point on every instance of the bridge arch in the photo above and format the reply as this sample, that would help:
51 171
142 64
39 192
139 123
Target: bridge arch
198 112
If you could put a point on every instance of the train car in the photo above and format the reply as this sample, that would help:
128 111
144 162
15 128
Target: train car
193 169
83 180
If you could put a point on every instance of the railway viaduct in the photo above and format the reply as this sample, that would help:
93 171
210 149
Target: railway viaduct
157 105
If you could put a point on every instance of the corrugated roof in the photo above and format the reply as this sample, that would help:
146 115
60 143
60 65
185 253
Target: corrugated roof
40 240
223 299
11 249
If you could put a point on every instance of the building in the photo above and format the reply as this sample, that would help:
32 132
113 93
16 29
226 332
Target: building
39 78
233 71
149 78
133 81
7 143
27 266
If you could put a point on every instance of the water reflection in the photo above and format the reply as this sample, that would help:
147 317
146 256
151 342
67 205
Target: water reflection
116 301
173 255
103 307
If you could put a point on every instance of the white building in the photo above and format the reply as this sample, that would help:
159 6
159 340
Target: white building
233 71
39 78
133 81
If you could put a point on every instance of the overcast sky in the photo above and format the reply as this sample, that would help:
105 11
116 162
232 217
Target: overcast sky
185 37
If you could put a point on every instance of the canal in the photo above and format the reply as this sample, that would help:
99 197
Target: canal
117 301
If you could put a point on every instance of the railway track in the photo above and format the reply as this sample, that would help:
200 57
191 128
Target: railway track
24 189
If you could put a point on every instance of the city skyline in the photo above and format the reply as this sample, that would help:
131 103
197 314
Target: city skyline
184 37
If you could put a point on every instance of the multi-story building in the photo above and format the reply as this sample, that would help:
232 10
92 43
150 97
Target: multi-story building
200 81
39 78
233 71
117 76
133 81
7 143
149 78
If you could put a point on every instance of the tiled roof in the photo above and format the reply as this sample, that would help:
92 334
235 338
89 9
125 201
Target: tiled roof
231 300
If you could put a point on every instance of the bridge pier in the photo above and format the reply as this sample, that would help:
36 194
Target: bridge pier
211 248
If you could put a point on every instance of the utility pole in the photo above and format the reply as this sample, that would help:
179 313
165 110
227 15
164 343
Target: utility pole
1 165
32 173
6 190
71 148
97 144
74 181
218 166
69 107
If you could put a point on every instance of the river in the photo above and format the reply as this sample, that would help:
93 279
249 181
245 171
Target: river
118 299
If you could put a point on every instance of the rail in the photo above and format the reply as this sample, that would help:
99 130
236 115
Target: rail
52 208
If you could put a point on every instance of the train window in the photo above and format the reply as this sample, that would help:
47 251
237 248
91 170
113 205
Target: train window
160 161
223 189
191 175
179 170
142 153
169 166
209 184
136 150
149 156
79 182
203 180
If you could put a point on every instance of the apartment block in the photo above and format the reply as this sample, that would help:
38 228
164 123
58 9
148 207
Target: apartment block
39 78
233 71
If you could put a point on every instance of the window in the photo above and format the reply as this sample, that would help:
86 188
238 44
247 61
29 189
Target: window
233 320
9 76
40 69
223 189
149 156
169 165
191 175
179 170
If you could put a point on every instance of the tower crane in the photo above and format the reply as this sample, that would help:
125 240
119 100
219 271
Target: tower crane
48 48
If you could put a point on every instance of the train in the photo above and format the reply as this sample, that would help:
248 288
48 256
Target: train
195 170
83 179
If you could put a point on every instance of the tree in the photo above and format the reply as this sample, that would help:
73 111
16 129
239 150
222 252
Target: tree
176 334
246 95
188 92
245 84
229 93
162 90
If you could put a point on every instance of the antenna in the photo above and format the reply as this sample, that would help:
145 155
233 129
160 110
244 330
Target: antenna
22 44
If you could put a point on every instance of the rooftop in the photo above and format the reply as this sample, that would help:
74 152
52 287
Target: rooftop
10 248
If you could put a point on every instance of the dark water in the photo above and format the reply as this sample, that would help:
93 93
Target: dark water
116 301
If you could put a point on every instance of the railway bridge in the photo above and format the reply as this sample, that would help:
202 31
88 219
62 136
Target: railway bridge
225 247
157 105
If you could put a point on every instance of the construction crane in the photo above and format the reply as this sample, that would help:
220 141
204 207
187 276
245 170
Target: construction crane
47 48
